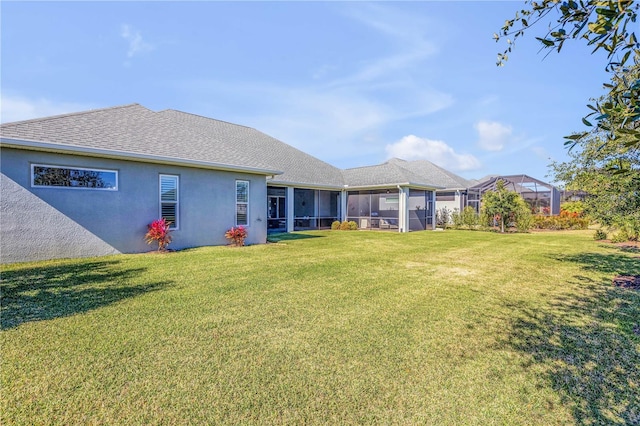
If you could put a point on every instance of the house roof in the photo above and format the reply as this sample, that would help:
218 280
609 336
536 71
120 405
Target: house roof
169 136
386 174
133 132
433 173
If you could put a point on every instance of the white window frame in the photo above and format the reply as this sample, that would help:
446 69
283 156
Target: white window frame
91 169
246 204
176 225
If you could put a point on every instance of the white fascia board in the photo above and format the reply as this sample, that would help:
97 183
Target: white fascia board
299 185
395 186
130 156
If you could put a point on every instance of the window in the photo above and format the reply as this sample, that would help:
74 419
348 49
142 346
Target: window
242 202
73 177
169 199
446 196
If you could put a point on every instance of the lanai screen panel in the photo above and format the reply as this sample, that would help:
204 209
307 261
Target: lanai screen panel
276 209
315 209
377 209
420 210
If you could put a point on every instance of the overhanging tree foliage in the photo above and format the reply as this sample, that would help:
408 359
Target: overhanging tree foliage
613 198
606 25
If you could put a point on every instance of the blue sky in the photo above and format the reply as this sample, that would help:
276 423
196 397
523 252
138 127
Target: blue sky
352 83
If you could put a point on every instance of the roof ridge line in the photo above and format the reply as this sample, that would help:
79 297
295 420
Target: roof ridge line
210 118
70 114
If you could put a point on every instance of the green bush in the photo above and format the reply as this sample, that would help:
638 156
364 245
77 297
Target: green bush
335 225
600 235
344 226
456 218
573 207
621 236
353 226
469 217
443 217
560 222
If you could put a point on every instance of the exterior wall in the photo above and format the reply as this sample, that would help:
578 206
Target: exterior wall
455 204
47 223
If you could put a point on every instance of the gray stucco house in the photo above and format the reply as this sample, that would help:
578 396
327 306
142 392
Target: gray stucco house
89 183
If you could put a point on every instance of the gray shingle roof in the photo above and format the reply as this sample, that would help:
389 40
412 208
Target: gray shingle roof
433 173
134 129
131 130
387 173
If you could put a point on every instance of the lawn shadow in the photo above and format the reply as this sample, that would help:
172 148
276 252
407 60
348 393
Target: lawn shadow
286 236
587 344
48 292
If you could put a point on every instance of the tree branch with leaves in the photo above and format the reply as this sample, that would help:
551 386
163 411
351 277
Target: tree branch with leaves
604 25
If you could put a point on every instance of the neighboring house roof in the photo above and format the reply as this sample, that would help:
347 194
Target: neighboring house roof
386 174
433 173
135 132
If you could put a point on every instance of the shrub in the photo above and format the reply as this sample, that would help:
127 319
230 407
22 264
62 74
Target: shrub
443 217
345 226
237 235
573 207
566 220
600 235
523 219
456 218
159 232
469 217
623 235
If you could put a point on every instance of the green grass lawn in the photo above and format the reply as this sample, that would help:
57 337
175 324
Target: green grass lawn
441 328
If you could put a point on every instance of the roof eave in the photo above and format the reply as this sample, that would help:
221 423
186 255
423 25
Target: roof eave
305 185
130 156
395 185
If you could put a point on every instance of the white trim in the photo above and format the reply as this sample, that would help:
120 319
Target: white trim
131 156
33 185
176 225
245 203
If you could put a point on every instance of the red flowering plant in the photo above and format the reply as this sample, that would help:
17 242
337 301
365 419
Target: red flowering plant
159 232
236 234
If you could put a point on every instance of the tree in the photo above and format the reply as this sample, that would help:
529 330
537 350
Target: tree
505 206
606 25
613 197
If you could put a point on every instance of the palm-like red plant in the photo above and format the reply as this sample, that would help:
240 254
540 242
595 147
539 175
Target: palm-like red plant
159 232
237 234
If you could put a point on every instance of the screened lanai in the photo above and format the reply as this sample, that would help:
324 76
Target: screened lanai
381 209
312 208
543 197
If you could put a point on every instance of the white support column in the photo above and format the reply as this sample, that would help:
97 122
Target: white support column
343 205
433 209
289 204
403 210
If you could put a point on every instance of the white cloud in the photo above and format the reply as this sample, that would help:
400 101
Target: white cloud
17 108
405 32
492 135
541 152
438 152
134 38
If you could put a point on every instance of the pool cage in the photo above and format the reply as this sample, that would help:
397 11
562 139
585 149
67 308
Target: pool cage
543 198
